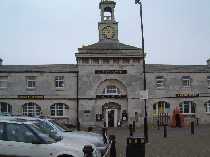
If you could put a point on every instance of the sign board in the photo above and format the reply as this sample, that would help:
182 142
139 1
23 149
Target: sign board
31 97
144 94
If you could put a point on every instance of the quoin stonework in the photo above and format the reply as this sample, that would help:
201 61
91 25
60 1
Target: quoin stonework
104 86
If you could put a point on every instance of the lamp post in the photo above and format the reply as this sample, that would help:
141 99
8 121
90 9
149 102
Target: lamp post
144 75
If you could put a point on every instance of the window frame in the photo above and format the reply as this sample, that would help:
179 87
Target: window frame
208 82
190 106
8 107
57 109
58 80
111 90
32 80
34 110
3 80
161 105
207 107
186 81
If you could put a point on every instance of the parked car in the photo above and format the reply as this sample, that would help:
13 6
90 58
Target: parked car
61 130
28 139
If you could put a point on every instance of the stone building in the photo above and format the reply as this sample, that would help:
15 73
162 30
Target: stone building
105 84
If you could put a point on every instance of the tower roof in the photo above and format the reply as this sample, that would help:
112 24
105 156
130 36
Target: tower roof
106 45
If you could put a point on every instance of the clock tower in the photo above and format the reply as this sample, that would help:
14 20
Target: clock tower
108 27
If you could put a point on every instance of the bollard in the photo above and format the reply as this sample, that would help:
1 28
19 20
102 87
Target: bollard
134 126
165 130
131 129
158 124
192 128
113 148
90 129
197 121
104 133
104 124
88 151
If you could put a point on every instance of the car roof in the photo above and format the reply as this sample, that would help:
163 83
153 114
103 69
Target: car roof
14 121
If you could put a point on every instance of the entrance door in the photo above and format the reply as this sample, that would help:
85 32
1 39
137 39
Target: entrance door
111 117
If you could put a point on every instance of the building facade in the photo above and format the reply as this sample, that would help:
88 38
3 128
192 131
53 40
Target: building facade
104 86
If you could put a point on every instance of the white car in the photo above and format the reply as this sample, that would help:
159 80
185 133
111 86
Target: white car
26 139
51 125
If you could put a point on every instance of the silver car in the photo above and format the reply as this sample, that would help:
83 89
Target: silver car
27 139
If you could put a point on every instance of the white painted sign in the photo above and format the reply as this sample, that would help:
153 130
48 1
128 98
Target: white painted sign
144 94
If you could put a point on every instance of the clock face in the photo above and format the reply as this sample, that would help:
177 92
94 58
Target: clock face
108 32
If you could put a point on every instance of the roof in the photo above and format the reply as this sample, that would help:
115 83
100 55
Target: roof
109 45
163 68
51 68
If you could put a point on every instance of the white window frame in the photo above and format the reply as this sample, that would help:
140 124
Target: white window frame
30 82
56 108
30 108
160 82
111 90
59 80
4 82
182 107
188 82
8 107
207 106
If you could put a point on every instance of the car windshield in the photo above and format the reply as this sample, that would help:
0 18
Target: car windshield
49 137
60 127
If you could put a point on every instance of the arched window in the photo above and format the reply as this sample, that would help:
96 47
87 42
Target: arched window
207 106
187 107
107 13
161 107
111 90
59 109
5 107
31 109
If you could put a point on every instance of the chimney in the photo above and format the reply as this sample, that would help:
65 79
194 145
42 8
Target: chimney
208 62
1 61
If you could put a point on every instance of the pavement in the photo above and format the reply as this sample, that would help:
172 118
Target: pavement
179 142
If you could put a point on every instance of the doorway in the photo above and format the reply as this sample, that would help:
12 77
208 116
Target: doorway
111 117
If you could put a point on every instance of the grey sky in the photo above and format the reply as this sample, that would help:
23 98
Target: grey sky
51 31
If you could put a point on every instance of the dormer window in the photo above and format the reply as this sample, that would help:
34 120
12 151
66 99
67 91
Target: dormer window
111 90
160 82
186 81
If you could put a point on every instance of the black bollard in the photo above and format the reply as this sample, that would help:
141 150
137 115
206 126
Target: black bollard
134 126
192 128
158 124
131 129
104 124
88 151
165 130
113 148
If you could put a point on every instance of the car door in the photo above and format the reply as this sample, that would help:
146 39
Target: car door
21 141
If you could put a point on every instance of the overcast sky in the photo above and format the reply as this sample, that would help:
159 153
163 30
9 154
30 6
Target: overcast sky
51 31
